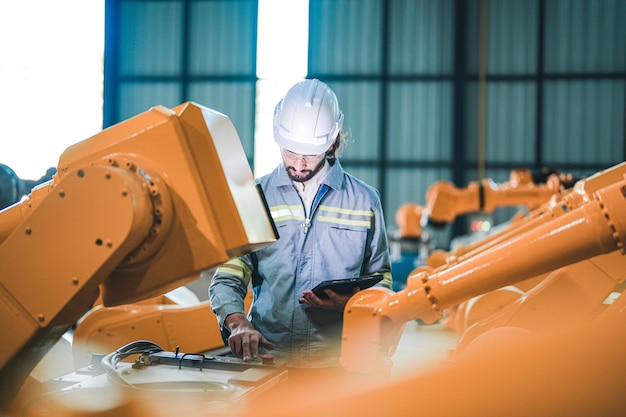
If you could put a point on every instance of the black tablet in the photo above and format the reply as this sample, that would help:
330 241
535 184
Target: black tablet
346 285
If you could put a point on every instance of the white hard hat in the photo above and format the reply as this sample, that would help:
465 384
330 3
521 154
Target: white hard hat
307 120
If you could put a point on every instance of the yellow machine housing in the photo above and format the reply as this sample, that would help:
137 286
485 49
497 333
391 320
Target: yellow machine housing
132 212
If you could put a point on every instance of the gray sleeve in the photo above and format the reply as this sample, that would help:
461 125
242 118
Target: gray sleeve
229 287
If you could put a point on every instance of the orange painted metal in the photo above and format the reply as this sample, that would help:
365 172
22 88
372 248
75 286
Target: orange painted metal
596 227
133 212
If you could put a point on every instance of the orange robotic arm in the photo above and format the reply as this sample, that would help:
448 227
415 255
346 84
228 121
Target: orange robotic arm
374 318
558 204
446 202
132 212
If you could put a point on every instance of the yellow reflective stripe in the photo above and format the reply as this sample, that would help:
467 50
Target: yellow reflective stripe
231 270
346 216
387 281
347 222
284 212
235 266
349 212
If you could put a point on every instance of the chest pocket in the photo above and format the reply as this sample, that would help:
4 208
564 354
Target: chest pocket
345 248
346 235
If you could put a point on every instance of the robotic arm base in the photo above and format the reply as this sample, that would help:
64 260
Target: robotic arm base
368 333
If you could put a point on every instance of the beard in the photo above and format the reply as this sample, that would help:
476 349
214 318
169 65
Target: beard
305 174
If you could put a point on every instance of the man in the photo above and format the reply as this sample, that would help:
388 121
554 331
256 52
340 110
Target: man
330 226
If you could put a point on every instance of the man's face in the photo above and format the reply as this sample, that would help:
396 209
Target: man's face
302 168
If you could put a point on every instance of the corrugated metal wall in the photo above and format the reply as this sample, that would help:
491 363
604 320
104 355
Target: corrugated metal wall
166 52
464 90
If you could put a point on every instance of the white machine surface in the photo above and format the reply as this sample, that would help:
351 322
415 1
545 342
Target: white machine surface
142 373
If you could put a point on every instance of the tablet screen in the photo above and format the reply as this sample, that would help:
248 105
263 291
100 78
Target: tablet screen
344 286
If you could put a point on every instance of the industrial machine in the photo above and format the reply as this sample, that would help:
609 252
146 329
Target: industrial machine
131 213
445 202
411 246
586 223
177 318
582 225
468 312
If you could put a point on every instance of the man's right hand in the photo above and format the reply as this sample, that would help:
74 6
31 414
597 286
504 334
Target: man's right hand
244 339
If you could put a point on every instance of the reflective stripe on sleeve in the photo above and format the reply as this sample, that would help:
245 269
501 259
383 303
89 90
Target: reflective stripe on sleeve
236 267
387 279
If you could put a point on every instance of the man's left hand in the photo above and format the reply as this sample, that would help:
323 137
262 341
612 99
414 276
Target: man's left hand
335 301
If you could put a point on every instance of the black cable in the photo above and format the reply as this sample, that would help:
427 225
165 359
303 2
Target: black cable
110 361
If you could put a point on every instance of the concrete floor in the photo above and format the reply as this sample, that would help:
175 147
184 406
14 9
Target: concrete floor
422 347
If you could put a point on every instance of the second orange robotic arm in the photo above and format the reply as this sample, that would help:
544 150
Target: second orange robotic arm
597 227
